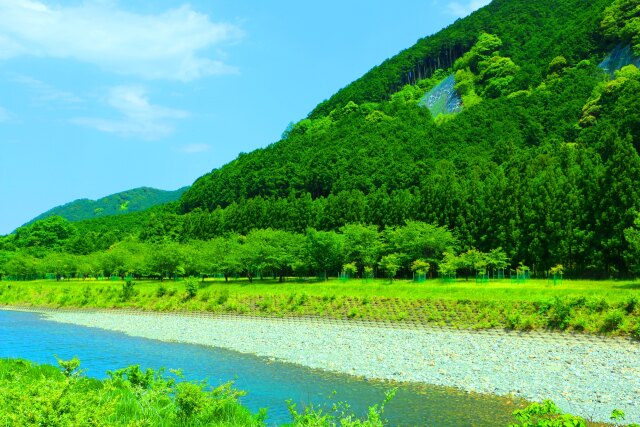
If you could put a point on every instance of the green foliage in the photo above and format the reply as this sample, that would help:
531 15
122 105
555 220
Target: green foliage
533 34
339 416
128 290
557 65
559 313
191 286
546 414
420 266
41 395
556 269
390 264
612 321
350 268
362 244
579 306
50 233
483 69
486 46
69 367
621 23
161 291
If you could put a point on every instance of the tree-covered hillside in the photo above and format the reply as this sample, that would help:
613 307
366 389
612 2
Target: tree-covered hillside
519 168
540 163
128 201
532 34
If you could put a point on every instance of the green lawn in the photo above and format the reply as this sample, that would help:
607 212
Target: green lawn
531 290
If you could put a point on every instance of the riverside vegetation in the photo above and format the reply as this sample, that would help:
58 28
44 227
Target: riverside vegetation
610 307
32 394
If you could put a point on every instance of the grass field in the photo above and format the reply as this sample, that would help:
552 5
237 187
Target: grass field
611 307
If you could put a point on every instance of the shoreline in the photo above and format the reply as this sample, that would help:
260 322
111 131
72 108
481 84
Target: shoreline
585 375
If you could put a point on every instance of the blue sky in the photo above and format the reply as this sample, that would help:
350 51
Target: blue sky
101 96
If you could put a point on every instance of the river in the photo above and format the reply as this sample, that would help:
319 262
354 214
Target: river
269 383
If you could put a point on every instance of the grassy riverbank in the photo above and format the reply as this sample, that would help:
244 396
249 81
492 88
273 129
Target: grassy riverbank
610 307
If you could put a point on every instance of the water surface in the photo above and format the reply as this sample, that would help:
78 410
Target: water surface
269 384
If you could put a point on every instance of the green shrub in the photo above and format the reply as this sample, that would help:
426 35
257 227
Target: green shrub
631 304
598 305
339 416
545 414
635 332
526 323
223 297
353 313
264 305
190 400
578 302
128 290
161 291
86 295
302 300
579 324
191 286
512 320
559 314
612 321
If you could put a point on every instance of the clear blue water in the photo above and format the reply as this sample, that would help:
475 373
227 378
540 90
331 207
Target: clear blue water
269 384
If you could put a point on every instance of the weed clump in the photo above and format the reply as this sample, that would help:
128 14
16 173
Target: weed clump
128 290
612 321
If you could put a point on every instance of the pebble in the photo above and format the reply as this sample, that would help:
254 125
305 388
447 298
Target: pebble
584 376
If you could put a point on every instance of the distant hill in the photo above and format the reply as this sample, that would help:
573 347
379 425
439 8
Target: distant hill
135 200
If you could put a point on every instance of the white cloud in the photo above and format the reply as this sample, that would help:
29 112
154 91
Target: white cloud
462 10
4 115
47 93
195 148
139 118
174 45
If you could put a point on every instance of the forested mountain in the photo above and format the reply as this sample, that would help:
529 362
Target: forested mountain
540 162
124 202
532 34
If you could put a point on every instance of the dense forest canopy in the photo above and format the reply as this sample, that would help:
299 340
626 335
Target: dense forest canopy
540 164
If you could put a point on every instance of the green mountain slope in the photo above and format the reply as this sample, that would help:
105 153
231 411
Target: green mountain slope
519 168
533 33
541 161
135 200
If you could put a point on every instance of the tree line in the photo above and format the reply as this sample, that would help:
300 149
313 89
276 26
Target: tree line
355 250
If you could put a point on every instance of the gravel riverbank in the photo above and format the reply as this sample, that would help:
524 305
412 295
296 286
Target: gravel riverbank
589 376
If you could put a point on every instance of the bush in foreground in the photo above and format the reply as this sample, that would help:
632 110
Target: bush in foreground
32 394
